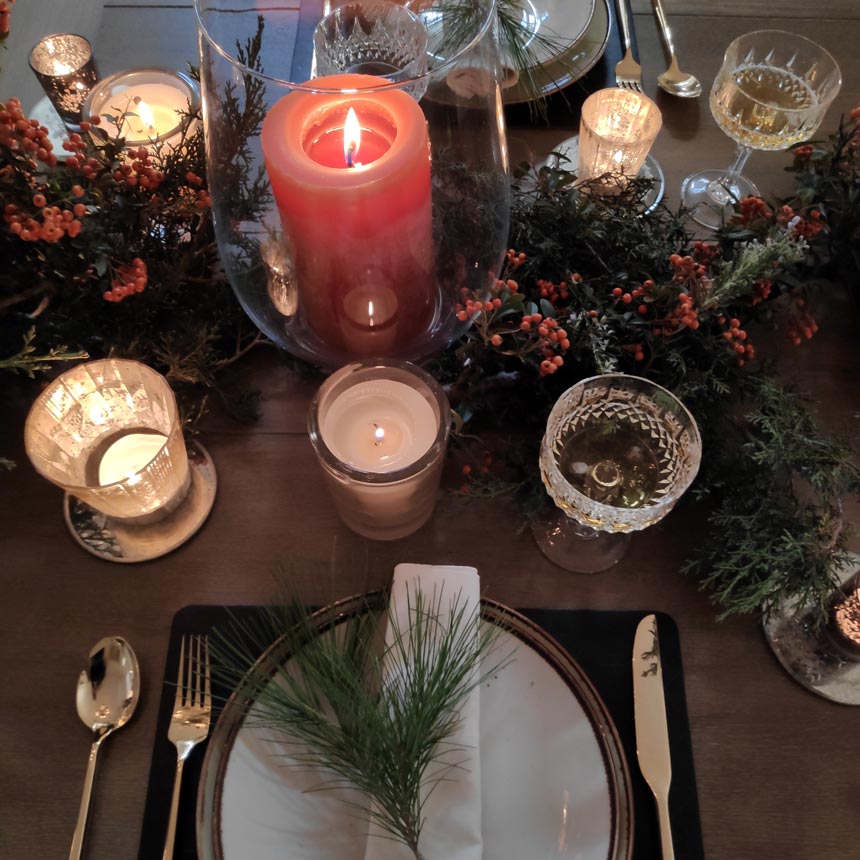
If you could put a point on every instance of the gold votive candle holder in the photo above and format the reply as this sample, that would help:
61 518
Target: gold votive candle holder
64 66
617 129
109 433
380 431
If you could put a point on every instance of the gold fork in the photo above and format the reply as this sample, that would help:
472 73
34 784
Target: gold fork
192 709
628 73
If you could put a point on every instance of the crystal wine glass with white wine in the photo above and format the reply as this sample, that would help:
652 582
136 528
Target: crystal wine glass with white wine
771 92
618 453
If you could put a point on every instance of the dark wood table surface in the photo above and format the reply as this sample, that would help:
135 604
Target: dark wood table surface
778 768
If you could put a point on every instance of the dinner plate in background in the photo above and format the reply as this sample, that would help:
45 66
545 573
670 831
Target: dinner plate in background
554 778
577 58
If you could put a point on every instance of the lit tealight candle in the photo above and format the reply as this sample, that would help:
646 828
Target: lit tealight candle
144 105
616 132
128 456
380 430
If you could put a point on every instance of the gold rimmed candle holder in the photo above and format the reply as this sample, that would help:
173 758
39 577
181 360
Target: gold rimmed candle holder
108 432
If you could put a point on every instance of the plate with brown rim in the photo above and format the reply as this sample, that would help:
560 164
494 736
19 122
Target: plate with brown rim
554 778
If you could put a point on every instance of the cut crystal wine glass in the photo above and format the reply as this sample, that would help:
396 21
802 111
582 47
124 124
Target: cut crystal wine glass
771 92
618 453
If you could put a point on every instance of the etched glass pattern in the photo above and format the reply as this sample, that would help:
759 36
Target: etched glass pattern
665 433
84 411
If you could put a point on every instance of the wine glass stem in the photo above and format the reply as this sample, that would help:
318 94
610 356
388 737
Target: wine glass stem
740 162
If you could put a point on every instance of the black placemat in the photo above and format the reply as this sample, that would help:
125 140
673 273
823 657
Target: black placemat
601 642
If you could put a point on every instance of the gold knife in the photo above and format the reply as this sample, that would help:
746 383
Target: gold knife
652 733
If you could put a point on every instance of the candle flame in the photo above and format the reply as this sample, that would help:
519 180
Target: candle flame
378 435
145 113
351 137
370 313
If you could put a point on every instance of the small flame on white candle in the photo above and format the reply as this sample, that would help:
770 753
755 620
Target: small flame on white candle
351 137
378 435
370 313
145 113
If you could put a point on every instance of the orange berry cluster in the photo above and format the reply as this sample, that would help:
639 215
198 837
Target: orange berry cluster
705 252
128 279
628 297
802 326
736 340
556 293
803 153
687 270
20 134
140 171
800 227
761 290
638 350
476 306
55 222
552 338
514 259
753 209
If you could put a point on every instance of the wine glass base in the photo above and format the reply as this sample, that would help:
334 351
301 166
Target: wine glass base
810 654
111 539
708 198
575 547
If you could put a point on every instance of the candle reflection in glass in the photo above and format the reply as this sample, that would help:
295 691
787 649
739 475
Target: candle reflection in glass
65 67
380 430
109 433
617 130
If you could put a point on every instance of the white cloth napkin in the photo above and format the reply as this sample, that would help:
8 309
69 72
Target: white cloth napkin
453 811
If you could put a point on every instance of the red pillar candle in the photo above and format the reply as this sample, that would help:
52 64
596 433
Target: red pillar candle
358 217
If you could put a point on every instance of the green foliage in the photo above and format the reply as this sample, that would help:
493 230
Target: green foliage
369 718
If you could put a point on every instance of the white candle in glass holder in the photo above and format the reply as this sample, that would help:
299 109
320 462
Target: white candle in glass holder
380 430
154 99
108 432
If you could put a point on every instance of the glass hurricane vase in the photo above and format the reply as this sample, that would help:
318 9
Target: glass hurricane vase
356 210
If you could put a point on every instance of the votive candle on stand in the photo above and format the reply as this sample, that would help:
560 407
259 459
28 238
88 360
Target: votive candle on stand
356 208
64 66
380 431
617 129
157 98
109 433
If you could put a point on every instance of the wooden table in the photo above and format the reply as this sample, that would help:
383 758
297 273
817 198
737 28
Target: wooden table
778 768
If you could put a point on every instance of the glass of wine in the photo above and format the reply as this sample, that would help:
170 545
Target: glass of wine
771 92
618 453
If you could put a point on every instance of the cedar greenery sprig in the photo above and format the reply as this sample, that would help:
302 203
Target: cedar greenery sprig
366 717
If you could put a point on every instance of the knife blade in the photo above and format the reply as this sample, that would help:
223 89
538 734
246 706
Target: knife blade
652 731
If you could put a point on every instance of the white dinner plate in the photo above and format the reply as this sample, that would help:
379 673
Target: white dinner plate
578 54
554 779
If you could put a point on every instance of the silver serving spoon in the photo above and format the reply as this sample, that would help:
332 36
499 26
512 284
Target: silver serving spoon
108 690
673 80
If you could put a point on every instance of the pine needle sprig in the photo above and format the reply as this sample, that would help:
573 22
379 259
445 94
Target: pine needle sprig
367 717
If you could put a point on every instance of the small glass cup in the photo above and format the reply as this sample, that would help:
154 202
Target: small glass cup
65 67
109 433
616 132
371 37
380 431
160 115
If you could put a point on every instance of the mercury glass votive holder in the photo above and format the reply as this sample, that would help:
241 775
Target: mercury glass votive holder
109 433
617 129
64 66
380 431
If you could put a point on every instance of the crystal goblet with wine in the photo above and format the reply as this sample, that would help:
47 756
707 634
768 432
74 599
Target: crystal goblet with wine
771 92
618 453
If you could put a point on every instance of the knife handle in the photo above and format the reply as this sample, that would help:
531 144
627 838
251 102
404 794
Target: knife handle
668 849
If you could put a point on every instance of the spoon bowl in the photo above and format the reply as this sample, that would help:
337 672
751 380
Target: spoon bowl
678 83
107 695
